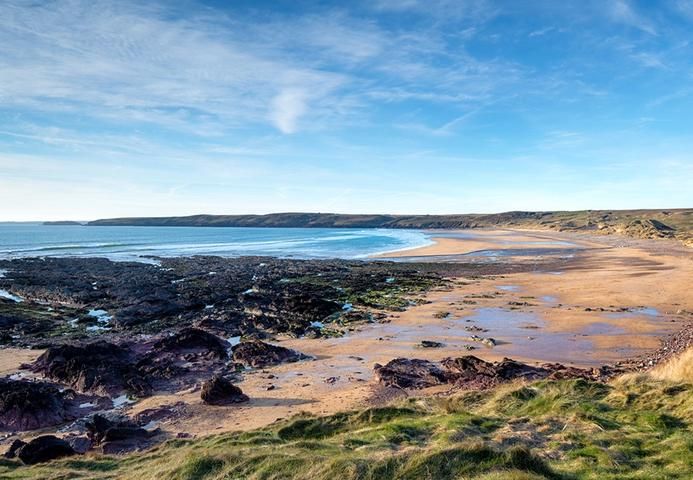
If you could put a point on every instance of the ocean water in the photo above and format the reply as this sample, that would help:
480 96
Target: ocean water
19 240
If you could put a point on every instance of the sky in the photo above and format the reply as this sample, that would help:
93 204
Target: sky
130 108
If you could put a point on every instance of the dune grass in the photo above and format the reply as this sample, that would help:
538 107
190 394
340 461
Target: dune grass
636 427
677 369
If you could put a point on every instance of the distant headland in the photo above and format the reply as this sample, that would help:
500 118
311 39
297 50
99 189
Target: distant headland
666 223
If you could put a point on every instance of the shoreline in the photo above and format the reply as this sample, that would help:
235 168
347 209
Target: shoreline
121 244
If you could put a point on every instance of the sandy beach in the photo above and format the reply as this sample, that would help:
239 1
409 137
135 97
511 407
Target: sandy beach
570 313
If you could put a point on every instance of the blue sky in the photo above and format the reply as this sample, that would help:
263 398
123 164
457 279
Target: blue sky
143 108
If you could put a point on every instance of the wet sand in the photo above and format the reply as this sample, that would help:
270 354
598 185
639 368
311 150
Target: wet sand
12 358
550 313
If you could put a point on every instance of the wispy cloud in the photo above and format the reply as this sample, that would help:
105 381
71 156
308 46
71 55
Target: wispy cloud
623 12
125 62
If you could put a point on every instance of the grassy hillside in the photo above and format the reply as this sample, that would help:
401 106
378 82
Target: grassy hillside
637 427
676 223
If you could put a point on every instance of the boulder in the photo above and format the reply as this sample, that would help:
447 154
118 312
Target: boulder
11 451
119 435
43 449
219 391
259 354
80 445
469 365
101 428
410 373
509 369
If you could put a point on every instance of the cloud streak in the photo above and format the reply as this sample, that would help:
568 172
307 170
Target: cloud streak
622 11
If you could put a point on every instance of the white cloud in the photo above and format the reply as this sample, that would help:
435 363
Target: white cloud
287 108
126 63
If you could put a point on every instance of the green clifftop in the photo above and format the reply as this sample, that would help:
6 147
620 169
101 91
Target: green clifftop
674 223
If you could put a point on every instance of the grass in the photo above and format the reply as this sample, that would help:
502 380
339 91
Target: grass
636 427
678 369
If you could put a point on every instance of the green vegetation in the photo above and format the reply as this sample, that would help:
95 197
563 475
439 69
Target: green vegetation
376 291
635 427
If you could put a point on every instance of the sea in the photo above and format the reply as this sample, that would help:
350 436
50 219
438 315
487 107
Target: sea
121 243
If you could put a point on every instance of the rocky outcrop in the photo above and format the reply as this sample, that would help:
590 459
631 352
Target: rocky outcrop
193 342
259 354
43 449
26 405
253 297
471 372
117 435
220 391
410 373
99 367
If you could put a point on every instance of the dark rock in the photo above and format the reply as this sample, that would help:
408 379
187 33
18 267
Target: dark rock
80 445
509 369
26 405
410 373
11 452
469 365
118 433
474 373
431 344
100 366
116 436
194 340
219 391
102 429
43 449
249 296
259 354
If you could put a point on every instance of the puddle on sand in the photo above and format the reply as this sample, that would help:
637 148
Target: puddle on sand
646 311
509 288
519 334
454 332
499 321
548 299
602 328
